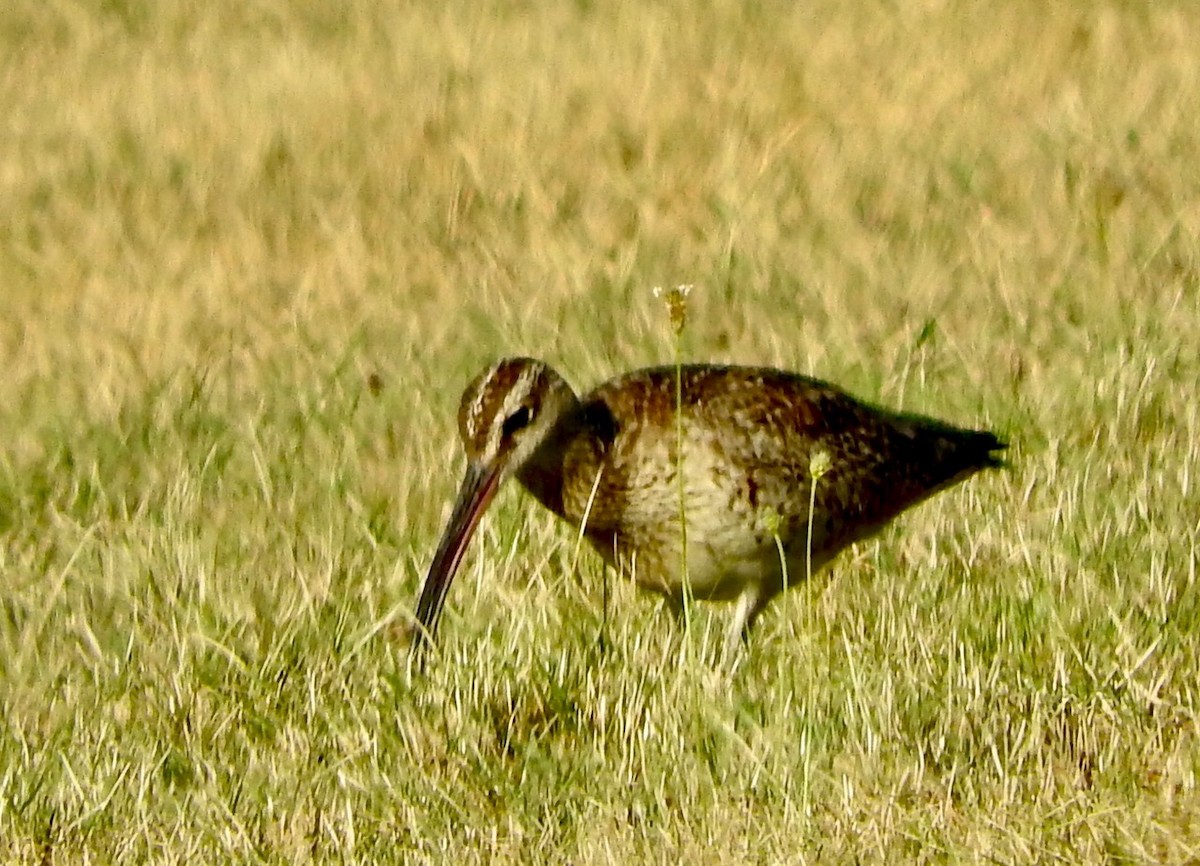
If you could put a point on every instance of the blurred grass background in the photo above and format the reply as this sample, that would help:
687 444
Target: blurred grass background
249 256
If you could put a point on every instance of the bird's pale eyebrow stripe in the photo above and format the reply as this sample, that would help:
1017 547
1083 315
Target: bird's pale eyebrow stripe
528 383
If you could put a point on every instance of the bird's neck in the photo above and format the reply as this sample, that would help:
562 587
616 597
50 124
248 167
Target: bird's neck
544 480
542 474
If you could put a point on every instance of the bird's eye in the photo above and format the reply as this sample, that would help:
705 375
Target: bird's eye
517 420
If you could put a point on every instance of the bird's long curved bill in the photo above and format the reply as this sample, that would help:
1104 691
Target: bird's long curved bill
478 487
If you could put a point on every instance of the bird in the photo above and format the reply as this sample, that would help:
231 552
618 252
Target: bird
698 481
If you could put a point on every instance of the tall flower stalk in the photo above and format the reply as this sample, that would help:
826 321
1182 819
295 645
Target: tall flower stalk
676 302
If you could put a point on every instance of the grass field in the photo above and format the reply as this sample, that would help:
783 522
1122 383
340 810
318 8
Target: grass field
250 253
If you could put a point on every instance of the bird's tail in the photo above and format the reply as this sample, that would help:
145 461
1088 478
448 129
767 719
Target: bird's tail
941 454
959 453
979 447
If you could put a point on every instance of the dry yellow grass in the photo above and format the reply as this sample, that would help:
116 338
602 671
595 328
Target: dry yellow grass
249 255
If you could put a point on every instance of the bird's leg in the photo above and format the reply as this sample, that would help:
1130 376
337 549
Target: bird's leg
749 605
673 604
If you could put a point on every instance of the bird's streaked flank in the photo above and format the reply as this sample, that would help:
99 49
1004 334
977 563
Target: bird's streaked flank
752 441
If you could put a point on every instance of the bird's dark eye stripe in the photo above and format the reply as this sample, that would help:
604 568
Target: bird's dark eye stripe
517 420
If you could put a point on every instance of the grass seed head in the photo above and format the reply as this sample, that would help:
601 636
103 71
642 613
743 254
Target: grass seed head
676 302
819 464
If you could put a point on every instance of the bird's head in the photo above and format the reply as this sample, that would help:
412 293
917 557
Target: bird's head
507 412
510 409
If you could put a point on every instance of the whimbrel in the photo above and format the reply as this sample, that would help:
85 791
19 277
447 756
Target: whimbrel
752 442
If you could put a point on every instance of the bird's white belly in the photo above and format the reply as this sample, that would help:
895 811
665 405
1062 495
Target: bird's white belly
716 572
734 541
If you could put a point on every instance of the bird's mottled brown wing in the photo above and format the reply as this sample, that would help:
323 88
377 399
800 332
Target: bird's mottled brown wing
747 438
752 438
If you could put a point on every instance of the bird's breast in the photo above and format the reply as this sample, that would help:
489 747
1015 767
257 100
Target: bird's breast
629 496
